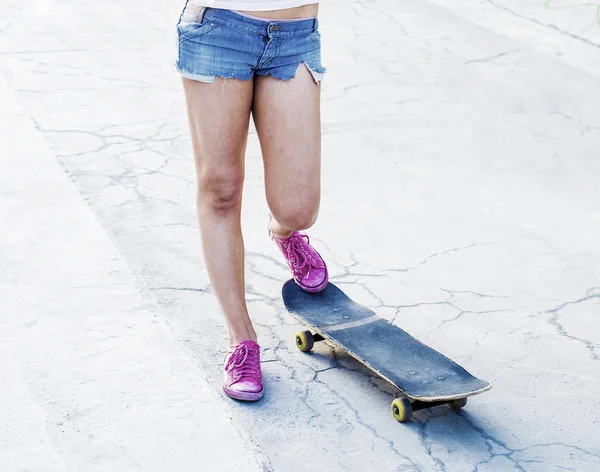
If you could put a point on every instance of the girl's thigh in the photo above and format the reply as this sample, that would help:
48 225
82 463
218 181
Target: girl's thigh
219 116
288 121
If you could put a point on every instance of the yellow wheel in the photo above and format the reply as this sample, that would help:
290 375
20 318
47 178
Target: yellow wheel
305 341
458 404
402 409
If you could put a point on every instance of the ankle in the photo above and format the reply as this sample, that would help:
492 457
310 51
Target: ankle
237 338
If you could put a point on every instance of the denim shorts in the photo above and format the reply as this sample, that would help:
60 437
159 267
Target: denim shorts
222 43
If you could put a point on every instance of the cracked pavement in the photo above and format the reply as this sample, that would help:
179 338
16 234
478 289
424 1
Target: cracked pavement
460 202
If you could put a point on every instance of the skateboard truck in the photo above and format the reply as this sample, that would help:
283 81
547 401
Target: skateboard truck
402 407
305 340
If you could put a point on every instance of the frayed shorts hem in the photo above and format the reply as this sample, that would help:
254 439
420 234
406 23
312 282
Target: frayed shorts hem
207 79
318 75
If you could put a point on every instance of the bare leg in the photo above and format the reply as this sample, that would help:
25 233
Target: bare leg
288 121
219 116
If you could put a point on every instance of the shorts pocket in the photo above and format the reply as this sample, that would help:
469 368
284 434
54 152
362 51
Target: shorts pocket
189 31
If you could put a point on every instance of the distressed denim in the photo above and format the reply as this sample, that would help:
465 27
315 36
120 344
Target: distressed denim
222 43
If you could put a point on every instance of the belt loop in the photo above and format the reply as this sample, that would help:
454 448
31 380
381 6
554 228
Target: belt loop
315 24
201 14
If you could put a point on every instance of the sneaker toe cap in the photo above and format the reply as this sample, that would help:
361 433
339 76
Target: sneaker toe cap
247 387
316 278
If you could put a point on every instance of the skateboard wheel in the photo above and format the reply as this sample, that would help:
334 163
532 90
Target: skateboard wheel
305 341
402 409
458 404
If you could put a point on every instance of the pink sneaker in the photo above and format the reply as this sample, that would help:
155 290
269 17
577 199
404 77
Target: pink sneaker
242 378
307 266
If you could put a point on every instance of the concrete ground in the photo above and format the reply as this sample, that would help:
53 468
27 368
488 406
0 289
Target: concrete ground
460 201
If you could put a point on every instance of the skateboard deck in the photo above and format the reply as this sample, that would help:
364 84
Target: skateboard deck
419 372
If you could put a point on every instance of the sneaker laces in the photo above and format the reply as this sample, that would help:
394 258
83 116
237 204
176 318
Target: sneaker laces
298 255
244 362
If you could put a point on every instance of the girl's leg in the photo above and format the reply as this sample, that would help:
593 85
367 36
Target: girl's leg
288 121
219 115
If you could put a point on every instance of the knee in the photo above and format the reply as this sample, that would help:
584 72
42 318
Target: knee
220 192
299 216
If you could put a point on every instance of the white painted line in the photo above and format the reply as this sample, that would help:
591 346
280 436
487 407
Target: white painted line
351 324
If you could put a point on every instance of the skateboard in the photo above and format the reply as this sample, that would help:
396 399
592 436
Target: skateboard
423 376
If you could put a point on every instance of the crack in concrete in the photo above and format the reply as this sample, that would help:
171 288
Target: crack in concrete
465 312
437 254
554 320
452 293
375 434
423 437
492 57
544 25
